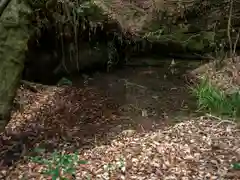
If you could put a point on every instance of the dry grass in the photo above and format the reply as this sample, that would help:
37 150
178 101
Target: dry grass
226 78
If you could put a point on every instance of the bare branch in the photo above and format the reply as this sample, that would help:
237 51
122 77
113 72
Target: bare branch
229 27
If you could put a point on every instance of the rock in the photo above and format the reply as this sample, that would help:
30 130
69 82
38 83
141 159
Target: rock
129 132
15 30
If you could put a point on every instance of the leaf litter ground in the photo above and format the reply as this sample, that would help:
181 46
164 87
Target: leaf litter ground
88 121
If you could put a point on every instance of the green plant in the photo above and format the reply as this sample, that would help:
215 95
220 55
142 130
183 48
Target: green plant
213 100
59 165
236 166
64 81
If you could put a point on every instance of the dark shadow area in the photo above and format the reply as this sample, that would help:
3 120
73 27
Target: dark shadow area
54 53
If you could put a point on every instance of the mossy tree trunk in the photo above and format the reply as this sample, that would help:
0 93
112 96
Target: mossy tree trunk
15 31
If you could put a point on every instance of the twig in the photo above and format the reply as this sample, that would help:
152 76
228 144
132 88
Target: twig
229 28
221 120
226 121
29 86
236 41
133 84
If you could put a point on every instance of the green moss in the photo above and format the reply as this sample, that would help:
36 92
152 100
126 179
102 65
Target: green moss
194 42
14 35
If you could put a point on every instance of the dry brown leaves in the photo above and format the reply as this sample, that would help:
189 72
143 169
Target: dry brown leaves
227 77
200 148
190 150
197 149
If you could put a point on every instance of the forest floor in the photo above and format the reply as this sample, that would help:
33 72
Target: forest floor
136 123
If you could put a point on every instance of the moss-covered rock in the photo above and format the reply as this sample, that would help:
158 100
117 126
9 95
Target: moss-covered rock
14 34
192 25
188 42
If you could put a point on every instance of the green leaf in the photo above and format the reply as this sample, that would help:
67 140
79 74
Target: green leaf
64 81
236 166
39 150
55 173
38 159
82 162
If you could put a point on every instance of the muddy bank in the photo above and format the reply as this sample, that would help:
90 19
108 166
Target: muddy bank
154 92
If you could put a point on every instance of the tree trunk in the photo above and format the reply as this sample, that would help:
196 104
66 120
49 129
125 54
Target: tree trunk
15 31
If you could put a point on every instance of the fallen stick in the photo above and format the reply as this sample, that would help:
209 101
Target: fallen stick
29 85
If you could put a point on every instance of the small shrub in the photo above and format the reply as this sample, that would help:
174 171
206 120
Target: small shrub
213 100
59 165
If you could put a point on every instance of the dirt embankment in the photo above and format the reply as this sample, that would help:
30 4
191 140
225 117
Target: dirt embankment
187 25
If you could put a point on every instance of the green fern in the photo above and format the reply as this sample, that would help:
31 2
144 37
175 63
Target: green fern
213 100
